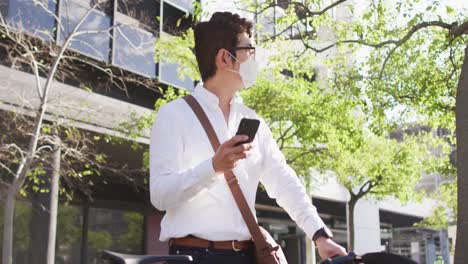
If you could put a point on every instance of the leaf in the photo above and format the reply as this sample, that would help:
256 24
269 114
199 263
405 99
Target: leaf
450 10
87 172
46 129
23 193
413 21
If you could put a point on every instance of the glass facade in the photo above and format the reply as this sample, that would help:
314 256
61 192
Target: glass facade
115 230
135 36
69 234
169 73
186 5
174 22
82 233
35 18
92 44
121 33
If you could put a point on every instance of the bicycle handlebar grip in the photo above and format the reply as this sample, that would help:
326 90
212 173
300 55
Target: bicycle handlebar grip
340 260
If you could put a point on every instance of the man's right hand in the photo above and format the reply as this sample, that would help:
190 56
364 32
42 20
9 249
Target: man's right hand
227 155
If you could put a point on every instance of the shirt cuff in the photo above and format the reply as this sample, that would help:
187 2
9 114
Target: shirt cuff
312 225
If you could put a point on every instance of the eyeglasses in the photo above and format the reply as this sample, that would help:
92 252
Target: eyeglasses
250 50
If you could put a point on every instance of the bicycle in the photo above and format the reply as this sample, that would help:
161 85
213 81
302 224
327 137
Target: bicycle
369 258
119 258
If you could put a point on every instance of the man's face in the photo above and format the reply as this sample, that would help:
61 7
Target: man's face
242 53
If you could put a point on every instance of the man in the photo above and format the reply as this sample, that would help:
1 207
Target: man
187 177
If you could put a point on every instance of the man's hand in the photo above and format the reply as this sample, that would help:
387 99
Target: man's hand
228 154
329 249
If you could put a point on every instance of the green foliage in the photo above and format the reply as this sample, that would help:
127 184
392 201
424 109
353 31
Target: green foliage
446 211
69 225
392 167
178 49
134 232
341 120
99 240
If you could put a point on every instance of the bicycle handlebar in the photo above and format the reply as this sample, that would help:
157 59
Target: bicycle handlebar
349 259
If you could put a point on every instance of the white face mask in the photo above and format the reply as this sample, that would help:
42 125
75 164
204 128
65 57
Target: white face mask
247 71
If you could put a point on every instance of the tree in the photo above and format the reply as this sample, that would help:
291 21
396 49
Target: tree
382 167
30 153
413 67
25 163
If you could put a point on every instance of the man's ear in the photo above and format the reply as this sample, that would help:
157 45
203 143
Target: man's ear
223 60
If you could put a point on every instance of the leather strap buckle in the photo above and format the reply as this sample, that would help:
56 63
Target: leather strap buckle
233 243
232 180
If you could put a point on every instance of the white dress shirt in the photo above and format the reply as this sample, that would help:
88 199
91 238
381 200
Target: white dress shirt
196 200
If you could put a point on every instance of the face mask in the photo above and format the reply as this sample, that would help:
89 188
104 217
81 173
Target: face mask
247 71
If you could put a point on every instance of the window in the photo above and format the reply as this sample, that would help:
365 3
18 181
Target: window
35 18
95 45
186 5
169 73
135 36
115 230
69 234
105 229
175 21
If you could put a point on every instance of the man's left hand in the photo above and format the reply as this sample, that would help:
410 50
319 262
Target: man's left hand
329 249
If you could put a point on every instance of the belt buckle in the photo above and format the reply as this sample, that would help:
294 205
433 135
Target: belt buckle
233 243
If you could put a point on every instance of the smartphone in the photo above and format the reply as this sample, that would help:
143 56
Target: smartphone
249 128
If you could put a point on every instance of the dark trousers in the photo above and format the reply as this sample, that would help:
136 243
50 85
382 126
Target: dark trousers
213 256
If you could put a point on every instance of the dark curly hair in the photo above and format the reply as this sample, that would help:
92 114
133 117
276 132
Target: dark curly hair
219 32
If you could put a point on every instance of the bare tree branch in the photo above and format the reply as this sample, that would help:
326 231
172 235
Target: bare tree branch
87 32
37 76
282 136
7 169
49 12
47 147
397 43
309 12
20 151
303 151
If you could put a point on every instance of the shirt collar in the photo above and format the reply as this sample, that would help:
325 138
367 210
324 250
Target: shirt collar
208 97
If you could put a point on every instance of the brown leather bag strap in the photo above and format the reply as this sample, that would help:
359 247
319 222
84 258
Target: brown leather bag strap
231 179
198 110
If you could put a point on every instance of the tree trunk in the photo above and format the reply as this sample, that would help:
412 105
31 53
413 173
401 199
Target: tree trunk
350 221
54 196
8 216
461 110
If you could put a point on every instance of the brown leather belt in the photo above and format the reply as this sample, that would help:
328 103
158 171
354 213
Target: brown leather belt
192 241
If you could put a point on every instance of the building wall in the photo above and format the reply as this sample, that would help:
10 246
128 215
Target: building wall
367 227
